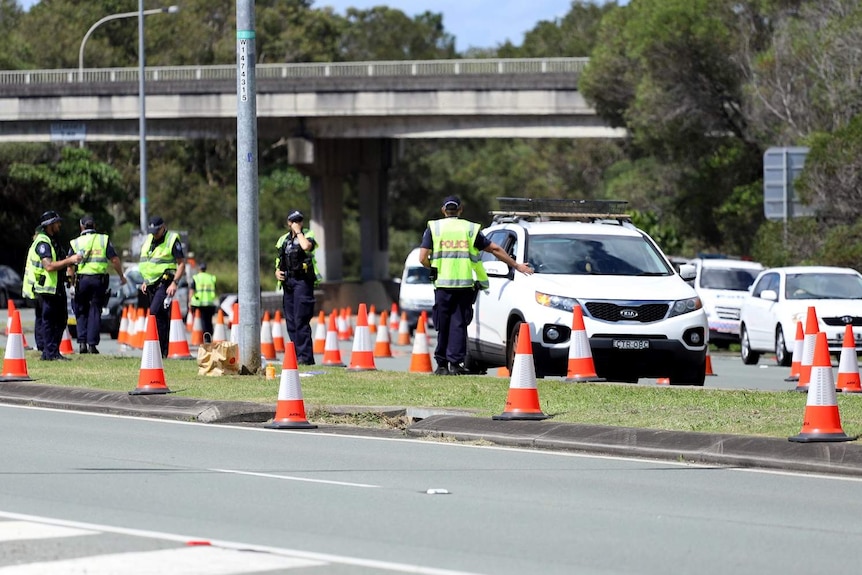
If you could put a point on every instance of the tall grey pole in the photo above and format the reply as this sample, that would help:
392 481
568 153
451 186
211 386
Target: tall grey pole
142 121
247 190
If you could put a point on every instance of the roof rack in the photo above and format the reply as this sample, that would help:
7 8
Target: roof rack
544 209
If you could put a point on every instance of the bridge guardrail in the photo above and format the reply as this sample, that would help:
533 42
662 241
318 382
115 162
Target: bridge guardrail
426 68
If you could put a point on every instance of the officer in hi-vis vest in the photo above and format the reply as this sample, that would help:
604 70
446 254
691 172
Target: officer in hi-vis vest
202 297
49 285
91 282
296 272
163 264
451 248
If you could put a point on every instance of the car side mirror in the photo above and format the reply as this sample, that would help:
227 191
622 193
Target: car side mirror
497 269
769 294
688 272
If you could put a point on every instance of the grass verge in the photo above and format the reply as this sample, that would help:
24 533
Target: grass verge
744 412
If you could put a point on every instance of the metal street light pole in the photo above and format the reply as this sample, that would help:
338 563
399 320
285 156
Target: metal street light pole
166 10
141 92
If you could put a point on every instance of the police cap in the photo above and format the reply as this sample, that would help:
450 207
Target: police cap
295 216
49 218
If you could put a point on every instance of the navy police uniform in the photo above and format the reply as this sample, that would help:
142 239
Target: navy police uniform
300 277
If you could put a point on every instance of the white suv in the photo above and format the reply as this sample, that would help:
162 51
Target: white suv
641 317
722 285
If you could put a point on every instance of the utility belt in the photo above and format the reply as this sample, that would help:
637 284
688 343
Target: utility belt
165 278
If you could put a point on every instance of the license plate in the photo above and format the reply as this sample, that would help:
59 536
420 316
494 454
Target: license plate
631 344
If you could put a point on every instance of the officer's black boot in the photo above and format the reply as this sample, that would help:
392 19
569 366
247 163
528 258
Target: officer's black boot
93 349
82 348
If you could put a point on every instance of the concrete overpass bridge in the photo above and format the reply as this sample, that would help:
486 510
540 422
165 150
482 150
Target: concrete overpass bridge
336 119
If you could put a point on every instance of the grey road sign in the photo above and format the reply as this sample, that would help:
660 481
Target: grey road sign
781 166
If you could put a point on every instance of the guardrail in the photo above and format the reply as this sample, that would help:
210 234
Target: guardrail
417 68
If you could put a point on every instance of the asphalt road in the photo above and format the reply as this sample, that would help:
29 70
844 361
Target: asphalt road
308 503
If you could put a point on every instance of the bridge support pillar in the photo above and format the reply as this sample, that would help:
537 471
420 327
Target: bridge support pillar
365 162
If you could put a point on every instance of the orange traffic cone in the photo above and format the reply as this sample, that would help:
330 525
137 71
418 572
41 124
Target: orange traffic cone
394 319
278 332
123 332
581 367
821 422
796 358
234 324
848 365
267 347
66 343
663 381
382 347
420 361
197 329
709 364
14 361
141 328
190 321
503 371
219 331
10 311
811 330
342 325
403 330
151 379
372 319
131 330
290 409
319 342
331 352
178 345
523 399
362 356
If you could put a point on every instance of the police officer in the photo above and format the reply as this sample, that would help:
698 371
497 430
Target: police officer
451 248
162 266
91 282
49 285
202 296
296 273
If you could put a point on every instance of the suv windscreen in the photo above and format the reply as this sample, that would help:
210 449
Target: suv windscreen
728 279
596 255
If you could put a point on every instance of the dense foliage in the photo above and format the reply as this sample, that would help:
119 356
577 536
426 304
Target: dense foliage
703 87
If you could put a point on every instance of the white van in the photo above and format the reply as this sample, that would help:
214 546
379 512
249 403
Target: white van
722 285
417 292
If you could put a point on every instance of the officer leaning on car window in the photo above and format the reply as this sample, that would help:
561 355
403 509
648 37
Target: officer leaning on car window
451 248
49 285
162 265
296 272
91 281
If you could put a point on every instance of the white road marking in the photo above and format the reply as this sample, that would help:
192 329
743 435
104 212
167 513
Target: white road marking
200 560
230 545
294 478
26 530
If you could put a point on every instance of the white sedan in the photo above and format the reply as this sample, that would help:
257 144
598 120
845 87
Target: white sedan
780 297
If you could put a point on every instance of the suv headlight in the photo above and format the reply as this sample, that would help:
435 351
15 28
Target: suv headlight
556 301
682 306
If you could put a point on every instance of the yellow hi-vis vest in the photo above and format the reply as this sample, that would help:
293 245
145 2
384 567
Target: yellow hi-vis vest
309 235
44 281
160 261
454 253
205 290
95 248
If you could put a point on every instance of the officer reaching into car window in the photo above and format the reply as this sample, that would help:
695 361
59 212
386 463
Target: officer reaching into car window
296 272
162 265
49 287
451 248
91 281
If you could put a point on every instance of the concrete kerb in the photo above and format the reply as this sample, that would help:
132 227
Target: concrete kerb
702 448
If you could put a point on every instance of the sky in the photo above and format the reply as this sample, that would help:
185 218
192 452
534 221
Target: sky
474 23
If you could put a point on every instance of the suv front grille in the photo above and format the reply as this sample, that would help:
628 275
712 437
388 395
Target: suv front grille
855 321
643 313
727 312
